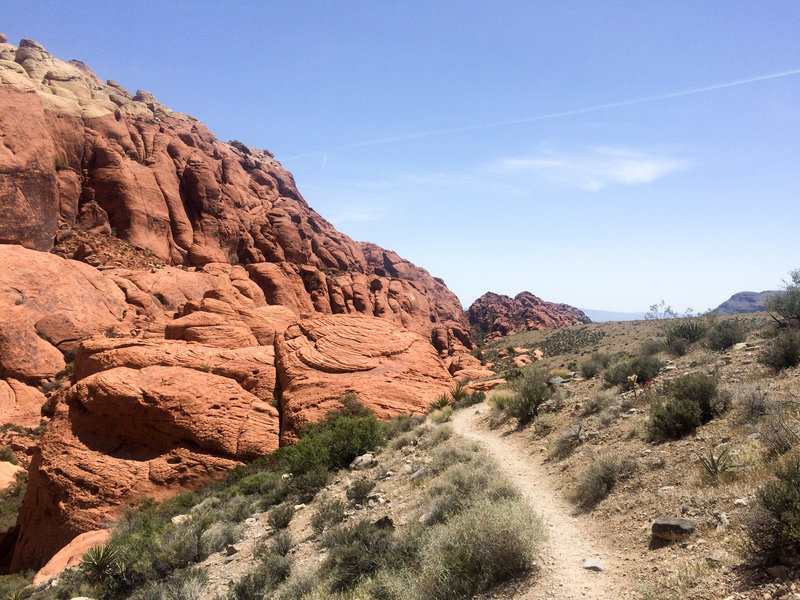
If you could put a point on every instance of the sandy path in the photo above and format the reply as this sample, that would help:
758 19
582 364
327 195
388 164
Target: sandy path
570 540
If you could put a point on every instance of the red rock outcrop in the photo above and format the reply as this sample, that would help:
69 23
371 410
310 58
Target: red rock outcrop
49 304
81 153
124 433
320 360
71 554
498 316
229 292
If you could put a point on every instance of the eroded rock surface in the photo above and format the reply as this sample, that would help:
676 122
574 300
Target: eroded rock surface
321 360
498 315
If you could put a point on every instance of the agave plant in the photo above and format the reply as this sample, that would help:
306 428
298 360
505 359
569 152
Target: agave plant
717 465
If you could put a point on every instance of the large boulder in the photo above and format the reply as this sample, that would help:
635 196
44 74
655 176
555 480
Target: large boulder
124 433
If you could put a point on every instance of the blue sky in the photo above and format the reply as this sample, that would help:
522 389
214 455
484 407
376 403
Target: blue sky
603 154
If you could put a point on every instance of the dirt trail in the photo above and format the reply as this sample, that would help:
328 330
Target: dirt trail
571 539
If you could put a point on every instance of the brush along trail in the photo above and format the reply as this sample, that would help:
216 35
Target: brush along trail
570 538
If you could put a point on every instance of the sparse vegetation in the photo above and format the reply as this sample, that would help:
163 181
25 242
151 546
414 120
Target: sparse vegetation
597 481
645 368
529 394
782 352
785 306
725 334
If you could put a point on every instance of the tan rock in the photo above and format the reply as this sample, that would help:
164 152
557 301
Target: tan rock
8 473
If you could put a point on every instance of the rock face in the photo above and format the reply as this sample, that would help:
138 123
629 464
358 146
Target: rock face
498 316
321 360
745 302
82 153
198 311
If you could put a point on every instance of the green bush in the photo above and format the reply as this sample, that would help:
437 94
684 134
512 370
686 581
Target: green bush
589 369
725 334
359 491
774 527
469 400
646 368
443 415
334 442
785 306
700 390
401 424
678 346
491 542
597 481
355 551
100 563
530 392
651 347
782 352
692 329
441 401
281 516
673 419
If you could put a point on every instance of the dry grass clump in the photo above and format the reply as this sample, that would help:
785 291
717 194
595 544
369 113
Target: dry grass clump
566 442
442 415
329 512
599 402
597 481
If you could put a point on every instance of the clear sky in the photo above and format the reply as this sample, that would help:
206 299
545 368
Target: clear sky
604 154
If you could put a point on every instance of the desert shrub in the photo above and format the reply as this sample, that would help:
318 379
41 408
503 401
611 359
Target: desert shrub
589 369
607 417
217 537
543 426
751 403
602 358
470 399
489 543
599 402
458 394
725 334
699 389
182 503
280 544
566 442
499 399
298 586
774 528
328 513
673 419
692 329
785 306
235 509
359 491
529 393
782 352
100 563
646 368
355 551
443 415
678 346
333 442
264 579
406 439
650 347
11 500
452 453
461 485
597 481
441 401
281 516
306 485
716 465
401 424
435 436
780 431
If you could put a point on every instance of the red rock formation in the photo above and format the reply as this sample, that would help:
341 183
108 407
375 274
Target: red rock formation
91 155
390 369
499 315
208 345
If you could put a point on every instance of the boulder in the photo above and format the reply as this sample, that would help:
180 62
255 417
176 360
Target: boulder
672 528
20 404
123 433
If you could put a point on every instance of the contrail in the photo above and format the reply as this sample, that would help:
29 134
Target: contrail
556 115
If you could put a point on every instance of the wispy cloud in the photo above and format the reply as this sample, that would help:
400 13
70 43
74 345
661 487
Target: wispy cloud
354 213
589 169
558 114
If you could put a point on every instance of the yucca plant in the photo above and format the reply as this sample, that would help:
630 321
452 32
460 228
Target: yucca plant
440 402
458 394
100 563
717 465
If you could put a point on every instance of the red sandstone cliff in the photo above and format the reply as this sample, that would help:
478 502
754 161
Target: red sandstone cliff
498 316
210 310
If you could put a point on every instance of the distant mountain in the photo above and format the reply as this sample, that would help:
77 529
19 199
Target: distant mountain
745 302
600 316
